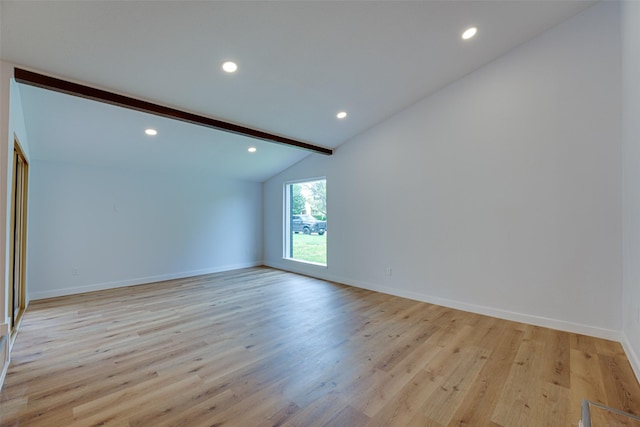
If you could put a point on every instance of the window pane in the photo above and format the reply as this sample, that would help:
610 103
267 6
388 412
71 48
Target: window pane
306 221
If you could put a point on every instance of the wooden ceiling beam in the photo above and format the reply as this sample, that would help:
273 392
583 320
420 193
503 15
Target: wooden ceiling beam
70 88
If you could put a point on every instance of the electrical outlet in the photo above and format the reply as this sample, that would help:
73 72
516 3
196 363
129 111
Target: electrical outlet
638 315
75 271
388 271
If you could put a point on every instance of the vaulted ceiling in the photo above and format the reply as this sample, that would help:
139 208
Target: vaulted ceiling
299 64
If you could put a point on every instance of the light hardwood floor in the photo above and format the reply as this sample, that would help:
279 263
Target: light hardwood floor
262 347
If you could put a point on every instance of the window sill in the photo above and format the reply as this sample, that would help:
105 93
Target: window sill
299 261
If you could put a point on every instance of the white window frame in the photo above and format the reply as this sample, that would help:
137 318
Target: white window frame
287 237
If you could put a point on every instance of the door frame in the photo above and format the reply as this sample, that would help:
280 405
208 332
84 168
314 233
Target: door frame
18 238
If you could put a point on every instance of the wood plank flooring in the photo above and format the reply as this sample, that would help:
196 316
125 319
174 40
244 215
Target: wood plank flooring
263 347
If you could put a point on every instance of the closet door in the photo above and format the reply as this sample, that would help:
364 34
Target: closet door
18 238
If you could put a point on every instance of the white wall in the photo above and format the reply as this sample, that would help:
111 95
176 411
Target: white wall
499 194
6 72
122 227
631 180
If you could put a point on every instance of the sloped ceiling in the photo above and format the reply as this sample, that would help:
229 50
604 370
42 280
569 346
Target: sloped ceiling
299 64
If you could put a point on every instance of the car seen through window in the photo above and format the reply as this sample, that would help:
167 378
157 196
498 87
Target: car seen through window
307 224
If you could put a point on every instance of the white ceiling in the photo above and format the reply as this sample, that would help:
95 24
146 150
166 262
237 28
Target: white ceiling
69 129
300 63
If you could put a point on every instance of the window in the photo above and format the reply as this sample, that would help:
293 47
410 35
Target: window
305 215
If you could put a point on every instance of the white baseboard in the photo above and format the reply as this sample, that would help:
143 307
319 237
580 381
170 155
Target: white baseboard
545 322
36 295
558 324
633 357
4 346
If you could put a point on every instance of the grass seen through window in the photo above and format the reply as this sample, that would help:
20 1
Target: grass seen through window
310 247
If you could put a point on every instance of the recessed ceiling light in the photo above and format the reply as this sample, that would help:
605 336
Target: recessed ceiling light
151 132
469 33
230 67
341 114
252 149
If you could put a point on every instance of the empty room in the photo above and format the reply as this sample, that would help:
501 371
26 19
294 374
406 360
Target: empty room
320 213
